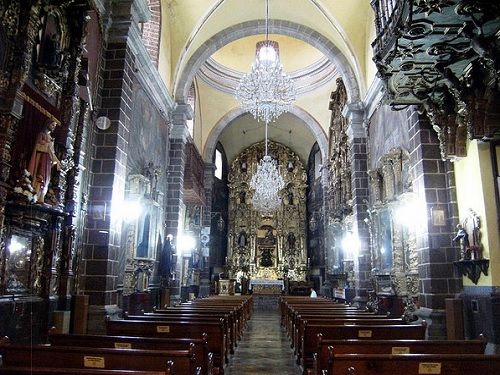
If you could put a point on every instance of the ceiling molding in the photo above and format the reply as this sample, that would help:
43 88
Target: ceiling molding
312 77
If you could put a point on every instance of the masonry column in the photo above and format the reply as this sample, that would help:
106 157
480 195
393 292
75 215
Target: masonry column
208 184
101 248
435 187
177 162
356 132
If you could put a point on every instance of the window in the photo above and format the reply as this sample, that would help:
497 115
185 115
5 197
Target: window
317 165
218 164
191 100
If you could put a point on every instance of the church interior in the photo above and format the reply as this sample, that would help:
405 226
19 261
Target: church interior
228 157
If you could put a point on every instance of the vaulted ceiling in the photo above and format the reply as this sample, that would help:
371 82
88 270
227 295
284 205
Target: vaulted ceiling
211 43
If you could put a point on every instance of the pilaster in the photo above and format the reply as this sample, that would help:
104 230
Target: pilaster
434 184
179 136
357 138
99 266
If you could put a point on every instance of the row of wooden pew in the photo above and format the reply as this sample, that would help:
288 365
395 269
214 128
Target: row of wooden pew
330 338
194 338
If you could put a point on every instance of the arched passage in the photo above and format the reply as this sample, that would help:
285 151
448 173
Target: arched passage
313 126
244 29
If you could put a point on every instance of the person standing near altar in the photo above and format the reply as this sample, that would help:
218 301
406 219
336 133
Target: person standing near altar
43 158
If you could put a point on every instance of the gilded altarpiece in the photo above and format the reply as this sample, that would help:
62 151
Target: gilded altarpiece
392 222
339 193
267 247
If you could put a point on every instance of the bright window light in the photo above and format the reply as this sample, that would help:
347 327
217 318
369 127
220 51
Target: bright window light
127 210
350 245
218 164
185 244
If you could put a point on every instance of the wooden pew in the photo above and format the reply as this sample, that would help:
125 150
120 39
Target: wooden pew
296 325
299 329
43 356
230 323
292 310
24 370
216 336
321 356
309 342
412 364
230 336
202 357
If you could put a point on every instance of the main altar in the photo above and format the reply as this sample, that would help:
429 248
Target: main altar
266 286
267 249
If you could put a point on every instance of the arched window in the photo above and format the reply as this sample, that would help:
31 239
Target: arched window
191 100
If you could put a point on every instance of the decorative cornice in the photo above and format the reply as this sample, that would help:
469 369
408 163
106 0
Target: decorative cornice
374 97
306 80
355 115
148 75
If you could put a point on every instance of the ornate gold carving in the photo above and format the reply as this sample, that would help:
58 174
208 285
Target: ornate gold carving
10 18
339 166
267 246
37 264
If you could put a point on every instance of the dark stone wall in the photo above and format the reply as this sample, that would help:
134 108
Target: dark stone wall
387 131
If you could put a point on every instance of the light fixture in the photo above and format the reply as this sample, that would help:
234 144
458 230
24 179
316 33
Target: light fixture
266 92
267 184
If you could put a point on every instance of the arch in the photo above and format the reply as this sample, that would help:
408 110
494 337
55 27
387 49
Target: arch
309 121
254 27
151 31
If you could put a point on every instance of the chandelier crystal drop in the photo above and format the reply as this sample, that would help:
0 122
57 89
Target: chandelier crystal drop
267 184
266 92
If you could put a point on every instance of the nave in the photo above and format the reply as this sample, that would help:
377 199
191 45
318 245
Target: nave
264 348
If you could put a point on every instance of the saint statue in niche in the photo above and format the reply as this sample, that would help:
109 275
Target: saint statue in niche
242 239
43 158
50 47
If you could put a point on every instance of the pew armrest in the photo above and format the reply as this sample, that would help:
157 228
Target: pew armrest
315 364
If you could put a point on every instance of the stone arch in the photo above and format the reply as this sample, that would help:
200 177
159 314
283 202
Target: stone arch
254 27
151 31
309 121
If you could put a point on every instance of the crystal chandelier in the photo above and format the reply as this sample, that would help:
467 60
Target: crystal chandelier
266 92
267 184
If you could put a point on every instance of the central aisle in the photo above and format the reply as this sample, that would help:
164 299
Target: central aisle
264 348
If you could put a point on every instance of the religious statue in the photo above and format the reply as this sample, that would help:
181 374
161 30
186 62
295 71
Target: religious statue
43 158
468 235
463 237
242 239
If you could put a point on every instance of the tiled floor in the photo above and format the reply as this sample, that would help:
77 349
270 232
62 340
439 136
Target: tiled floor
264 348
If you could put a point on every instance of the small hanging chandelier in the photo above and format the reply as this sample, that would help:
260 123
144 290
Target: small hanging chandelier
266 92
267 184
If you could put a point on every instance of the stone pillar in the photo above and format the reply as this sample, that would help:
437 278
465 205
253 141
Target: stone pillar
438 280
357 139
102 239
177 162
208 183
